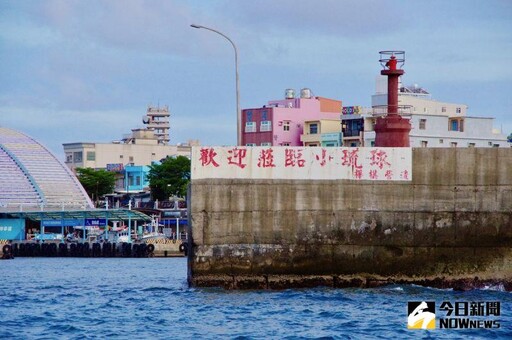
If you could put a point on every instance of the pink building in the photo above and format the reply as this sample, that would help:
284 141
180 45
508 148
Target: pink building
281 122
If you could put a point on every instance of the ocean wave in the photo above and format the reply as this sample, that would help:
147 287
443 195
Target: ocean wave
170 290
152 301
497 288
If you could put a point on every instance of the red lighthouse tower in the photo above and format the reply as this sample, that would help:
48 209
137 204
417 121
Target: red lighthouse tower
392 130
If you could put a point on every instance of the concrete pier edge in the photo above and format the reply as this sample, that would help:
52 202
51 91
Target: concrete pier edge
449 227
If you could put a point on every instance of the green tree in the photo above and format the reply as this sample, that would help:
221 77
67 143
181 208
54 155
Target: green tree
96 182
169 178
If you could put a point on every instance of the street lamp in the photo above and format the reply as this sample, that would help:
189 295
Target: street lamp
238 139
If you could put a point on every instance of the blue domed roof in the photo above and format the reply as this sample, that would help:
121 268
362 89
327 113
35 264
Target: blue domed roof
31 177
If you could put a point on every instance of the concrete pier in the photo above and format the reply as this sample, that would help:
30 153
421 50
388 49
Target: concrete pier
451 226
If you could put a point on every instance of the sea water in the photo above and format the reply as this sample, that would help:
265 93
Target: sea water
124 298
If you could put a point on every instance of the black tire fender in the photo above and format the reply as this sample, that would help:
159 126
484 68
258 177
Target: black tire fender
6 248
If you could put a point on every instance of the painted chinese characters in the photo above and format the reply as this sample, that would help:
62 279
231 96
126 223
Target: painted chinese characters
374 164
349 158
208 157
323 158
266 158
379 158
293 157
237 157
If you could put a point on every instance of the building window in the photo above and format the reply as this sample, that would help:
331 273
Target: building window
458 110
286 126
490 143
77 156
137 181
266 144
453 144
424 143
441 141
249 115
250 127
372 143
425 110
285 144
69 157
130 159
91 155
423 123
121 156
495 145
250 144
456 125
313 128
443 109
471 145
312 144
266 125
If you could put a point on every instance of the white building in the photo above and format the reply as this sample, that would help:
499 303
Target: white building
444 131
157 119
434 123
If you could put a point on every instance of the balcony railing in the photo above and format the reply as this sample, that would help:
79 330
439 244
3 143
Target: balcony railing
351 133
382 110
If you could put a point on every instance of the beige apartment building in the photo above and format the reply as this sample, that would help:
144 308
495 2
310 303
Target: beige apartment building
322 132
141 147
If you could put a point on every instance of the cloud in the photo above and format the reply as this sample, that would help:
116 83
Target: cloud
91 67
348 18
137 25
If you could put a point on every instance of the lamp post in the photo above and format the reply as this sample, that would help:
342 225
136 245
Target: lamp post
238 136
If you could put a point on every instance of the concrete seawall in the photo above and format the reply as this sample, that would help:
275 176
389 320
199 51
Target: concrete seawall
451 226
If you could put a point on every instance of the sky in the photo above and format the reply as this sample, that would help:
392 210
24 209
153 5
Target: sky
85 71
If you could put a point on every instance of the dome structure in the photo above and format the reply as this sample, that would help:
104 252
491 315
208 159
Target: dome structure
31 177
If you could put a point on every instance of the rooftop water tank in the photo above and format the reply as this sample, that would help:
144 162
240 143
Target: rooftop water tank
289 94
305 93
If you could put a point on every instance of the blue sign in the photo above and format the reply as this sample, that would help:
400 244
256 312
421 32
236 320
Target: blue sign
61 223
95 222
11 229
182 221
51 223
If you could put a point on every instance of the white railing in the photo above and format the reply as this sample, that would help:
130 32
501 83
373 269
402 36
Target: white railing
382 110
